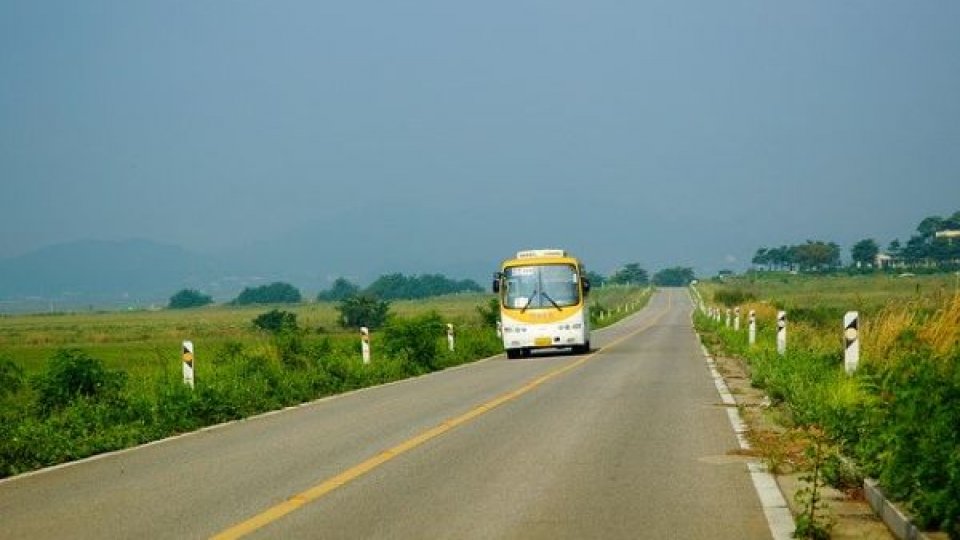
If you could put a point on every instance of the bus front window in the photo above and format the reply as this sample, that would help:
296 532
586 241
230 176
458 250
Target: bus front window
547 286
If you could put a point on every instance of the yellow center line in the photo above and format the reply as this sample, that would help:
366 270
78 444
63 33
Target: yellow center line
277 511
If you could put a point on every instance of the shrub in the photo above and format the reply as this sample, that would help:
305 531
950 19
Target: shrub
363 310
276 321
72 374
415 340
11 377
489 314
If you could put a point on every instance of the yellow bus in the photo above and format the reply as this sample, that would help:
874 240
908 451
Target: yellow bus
543 304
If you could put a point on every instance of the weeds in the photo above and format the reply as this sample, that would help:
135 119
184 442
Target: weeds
812 523
897 417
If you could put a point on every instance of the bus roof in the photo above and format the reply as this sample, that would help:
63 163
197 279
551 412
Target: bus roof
539 253
542 256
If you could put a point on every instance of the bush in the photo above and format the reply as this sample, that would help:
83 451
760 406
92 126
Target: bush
415 340
72 374
490 314
11 377
363 310
276 321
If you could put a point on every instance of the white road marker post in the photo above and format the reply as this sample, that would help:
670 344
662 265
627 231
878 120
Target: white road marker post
188 363
727 320
851 341
736 319
752 330
450 338
781 333
499 329
365 344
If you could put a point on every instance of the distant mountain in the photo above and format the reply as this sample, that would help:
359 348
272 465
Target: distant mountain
90 271
143 273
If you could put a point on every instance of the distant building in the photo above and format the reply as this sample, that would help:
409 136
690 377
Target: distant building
884 260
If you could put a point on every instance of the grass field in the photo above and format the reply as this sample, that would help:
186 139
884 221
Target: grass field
141 341
866 293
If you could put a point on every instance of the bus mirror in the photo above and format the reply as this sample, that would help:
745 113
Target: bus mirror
586 285
496 282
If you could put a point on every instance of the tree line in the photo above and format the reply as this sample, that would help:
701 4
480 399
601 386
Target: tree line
935 244
386 287
398 286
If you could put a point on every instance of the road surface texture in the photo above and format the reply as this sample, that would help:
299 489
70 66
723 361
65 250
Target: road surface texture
627 442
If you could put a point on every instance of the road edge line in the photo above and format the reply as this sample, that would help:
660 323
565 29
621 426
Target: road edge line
774 504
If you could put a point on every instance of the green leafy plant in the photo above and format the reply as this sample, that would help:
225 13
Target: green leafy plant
276 321
73 374
416 340
813 523
363 310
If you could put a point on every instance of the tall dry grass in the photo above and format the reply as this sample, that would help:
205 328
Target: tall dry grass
904 327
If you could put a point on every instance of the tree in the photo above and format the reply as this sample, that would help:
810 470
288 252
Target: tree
363 310
595 279
816 255
188 298
398 286
762 258
631 274
340 289
865 252
677 276
275 293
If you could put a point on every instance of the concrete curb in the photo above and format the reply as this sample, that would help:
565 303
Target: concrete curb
895 520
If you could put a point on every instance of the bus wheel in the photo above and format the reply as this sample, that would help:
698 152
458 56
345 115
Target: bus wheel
513 354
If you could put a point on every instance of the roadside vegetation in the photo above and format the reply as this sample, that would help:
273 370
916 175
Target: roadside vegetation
896 419
74 385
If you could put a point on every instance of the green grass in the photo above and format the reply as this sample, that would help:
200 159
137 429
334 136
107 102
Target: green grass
866 293
137 341
898 414
96 382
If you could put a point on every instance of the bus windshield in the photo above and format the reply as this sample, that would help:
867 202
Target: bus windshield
542 286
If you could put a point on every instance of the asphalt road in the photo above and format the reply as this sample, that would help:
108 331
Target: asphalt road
628 442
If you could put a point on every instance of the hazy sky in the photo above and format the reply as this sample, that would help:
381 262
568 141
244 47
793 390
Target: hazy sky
660 132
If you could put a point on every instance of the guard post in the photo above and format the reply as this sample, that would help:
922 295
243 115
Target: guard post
365 344
851 341
782 333
188 363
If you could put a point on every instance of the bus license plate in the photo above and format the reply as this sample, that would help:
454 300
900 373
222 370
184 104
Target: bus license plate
542 342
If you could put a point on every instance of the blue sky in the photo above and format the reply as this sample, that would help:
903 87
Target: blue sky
666 133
